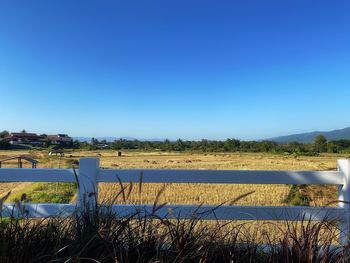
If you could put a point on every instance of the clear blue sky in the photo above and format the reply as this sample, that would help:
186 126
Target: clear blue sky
174 69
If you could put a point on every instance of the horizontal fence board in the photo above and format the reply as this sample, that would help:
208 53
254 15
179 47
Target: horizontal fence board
178 176
38 210
221 176
234 212
207 212
36 175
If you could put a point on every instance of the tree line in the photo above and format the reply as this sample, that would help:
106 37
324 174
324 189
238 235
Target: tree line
320 145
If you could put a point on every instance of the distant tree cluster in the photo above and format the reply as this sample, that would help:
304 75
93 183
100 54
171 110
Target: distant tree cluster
320 145
3 134
4 145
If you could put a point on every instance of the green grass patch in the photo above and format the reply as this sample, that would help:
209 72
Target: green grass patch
47 193
297 197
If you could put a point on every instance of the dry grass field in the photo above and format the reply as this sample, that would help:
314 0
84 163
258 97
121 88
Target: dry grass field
189 193
182 193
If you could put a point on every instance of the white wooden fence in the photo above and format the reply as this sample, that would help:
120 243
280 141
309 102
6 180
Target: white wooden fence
90 174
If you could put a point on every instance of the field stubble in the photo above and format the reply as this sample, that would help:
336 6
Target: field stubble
212 194
193 193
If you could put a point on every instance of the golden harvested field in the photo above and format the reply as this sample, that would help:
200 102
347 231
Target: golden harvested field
193 193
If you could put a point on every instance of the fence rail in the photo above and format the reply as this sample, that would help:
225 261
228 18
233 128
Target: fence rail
90 174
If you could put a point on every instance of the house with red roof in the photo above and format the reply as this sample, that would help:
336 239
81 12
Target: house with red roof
16 138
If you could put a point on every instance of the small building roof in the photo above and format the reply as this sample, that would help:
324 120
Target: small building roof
23 134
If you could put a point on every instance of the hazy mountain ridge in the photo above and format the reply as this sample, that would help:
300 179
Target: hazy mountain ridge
307 137
112 139
310 136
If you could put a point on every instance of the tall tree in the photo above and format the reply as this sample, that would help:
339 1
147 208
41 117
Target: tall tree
4 133
320 143
94 141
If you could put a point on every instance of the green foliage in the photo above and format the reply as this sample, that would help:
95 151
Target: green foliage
81 145
320 143
4 145
94 141
233 145
47 193
3 134
338 146
296 197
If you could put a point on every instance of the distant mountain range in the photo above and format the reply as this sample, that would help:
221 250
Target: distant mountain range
310 136
301 137
112 139
108 138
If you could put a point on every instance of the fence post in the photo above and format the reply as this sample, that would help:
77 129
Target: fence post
344 198
87 183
